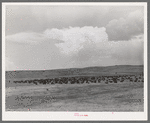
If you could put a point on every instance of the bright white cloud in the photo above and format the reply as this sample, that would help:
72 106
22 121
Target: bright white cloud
53 44
89 45
112 53
72 47
76 38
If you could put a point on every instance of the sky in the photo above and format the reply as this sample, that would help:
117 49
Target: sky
39 37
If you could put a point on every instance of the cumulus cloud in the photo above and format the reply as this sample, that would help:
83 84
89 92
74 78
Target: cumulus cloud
125 28
97 36
112 53
89 45
75 47
76 38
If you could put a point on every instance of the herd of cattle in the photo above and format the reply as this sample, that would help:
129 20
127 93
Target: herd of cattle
87 79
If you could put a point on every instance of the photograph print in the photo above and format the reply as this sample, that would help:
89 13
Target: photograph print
74 57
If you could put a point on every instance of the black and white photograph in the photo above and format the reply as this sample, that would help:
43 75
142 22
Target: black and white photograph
74 60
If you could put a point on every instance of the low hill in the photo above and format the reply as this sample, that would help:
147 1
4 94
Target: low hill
88 71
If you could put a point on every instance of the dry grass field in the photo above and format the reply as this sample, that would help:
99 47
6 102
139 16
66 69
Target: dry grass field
76 97
109 95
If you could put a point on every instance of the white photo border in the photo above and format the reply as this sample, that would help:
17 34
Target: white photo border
69 116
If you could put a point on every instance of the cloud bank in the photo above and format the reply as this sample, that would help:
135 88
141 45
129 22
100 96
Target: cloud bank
126 28
71 47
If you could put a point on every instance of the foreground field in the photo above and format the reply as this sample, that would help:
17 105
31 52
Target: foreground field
126 96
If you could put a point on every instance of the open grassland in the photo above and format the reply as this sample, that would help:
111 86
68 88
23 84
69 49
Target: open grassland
89 71
126 96
113 88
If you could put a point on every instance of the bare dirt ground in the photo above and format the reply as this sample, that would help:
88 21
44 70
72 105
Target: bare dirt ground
121 97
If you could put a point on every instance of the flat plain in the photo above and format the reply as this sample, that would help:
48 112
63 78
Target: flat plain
100 94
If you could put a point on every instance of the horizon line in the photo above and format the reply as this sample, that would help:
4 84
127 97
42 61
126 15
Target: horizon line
71 68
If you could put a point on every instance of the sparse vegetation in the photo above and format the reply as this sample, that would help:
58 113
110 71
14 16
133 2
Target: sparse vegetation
86 79
85 92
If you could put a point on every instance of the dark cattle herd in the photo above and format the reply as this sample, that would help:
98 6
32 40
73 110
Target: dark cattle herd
87 79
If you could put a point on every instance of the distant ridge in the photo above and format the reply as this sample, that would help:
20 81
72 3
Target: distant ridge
96 70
